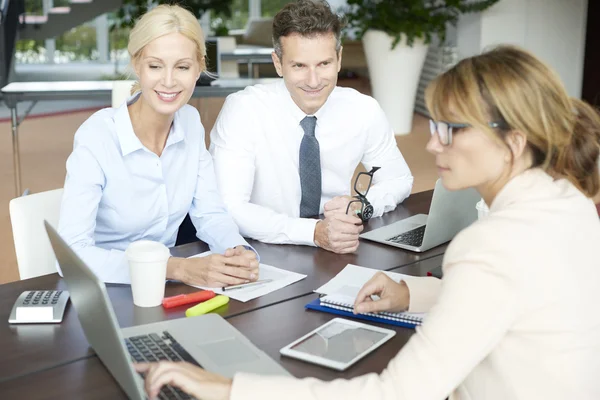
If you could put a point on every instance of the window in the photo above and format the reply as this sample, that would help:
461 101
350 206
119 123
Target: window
241 10
239 14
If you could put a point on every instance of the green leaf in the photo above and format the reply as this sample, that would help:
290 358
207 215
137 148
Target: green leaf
415 19
132 10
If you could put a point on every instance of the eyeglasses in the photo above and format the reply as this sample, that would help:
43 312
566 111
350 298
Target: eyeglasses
362 184
444 129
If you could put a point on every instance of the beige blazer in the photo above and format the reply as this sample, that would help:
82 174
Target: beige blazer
516 315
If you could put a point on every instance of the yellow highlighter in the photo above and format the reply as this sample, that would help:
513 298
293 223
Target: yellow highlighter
207 306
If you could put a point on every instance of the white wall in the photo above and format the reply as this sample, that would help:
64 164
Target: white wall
554 30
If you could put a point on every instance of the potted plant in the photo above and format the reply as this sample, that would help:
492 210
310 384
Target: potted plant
396 36
219 26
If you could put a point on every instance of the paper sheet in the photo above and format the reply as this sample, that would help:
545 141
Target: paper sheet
280 279
351 279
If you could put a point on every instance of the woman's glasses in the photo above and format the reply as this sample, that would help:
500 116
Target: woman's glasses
444 129
362 184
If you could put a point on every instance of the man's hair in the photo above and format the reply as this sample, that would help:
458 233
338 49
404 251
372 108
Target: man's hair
307 18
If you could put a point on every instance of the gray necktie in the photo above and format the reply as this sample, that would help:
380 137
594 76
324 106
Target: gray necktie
310 169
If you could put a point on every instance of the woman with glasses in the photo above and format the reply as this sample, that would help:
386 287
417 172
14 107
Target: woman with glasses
515 315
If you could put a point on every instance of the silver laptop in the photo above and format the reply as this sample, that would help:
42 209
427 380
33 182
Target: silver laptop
449 213
207 340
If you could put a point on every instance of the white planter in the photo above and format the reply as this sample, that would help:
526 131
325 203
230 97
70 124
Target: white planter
394 76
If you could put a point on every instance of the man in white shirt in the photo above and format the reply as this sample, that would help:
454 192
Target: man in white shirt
287 151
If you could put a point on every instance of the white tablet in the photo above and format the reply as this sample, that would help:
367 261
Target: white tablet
338 344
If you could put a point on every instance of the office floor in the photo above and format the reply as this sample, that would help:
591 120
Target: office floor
45 143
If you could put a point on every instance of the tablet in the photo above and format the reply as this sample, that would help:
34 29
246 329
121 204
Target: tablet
338 344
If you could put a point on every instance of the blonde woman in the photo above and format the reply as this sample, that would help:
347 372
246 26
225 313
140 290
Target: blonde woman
137 170
516 314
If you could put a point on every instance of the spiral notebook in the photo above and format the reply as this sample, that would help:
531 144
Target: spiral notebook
343 305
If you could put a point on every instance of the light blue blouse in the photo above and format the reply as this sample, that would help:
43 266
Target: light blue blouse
117 191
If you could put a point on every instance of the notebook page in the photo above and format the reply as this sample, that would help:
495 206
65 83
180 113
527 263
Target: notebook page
352 278
280 278
347 302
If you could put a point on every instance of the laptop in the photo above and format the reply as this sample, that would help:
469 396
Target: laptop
449 213
208 340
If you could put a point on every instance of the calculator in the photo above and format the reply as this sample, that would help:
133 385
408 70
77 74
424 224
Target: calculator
39 307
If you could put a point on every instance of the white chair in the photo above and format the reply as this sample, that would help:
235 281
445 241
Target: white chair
35 256
120 91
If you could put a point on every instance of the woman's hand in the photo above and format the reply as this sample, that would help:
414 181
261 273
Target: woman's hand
234 267
191 379
394 297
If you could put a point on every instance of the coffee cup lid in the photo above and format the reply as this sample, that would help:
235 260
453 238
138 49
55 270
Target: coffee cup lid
147 251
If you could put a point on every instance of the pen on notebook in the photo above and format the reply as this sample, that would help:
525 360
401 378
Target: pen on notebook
245 285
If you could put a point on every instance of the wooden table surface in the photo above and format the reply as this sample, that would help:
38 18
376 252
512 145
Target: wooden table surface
45 351
88 378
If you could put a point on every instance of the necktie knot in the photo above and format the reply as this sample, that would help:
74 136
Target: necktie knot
309 124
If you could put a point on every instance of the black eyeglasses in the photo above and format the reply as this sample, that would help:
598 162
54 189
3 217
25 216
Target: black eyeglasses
362 184
444 129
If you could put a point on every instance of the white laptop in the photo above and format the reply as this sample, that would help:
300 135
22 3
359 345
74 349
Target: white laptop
449 213
207 340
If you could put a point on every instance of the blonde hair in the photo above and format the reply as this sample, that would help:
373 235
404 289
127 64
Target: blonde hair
163 20
511 86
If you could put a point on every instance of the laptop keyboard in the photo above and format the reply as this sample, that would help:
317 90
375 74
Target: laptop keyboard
152 348
413 237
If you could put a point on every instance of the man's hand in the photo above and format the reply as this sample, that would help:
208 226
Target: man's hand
339 204
241 251
191 379
338 233
394 297
235 267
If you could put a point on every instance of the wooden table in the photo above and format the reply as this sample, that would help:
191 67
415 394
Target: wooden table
88 378
41 350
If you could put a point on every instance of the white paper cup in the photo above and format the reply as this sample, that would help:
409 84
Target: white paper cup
148 270
482 209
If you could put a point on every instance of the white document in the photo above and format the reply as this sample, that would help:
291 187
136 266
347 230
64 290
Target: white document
351 279
280 278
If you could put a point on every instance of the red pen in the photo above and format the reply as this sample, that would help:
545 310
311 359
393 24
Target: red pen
179 300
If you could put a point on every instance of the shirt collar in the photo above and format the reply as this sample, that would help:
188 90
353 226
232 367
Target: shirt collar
297 114
128 140
176 134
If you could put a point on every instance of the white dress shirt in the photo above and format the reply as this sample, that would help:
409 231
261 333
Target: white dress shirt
514 317
255 144
117 191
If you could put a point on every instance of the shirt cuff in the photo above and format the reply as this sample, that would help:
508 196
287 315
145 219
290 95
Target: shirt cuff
423 291
302 231
248 247
382 204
